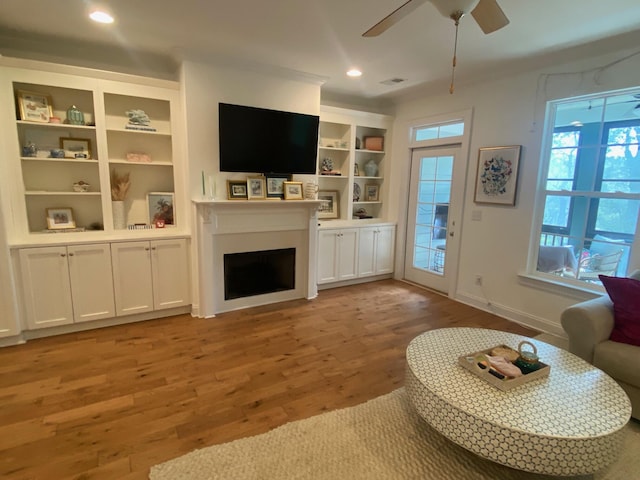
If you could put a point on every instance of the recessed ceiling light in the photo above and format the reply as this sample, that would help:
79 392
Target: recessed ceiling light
101 16
354 72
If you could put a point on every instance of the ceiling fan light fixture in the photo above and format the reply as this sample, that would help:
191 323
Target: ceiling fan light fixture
354 73
447 8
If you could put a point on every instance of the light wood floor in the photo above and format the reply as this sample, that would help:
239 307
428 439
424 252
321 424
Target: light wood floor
110 403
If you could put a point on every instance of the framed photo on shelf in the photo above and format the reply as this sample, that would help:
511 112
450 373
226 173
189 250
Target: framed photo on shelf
60 218
497 175
160 207
76 147
35 107
256 188
371 192
275 185
237 189
329 207
293 191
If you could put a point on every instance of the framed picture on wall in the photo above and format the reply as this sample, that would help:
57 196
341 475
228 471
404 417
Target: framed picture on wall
497 175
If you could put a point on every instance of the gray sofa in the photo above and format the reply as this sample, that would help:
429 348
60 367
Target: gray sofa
588 325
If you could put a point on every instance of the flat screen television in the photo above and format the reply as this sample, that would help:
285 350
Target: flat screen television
258 140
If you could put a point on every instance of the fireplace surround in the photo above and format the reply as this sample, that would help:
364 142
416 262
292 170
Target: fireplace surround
228 227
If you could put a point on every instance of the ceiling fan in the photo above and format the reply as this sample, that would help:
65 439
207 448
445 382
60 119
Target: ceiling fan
487 14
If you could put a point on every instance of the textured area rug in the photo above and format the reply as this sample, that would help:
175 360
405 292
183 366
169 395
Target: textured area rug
380 439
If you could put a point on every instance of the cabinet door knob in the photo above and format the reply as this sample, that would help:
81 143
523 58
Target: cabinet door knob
63 254
153 248
146 249
71 254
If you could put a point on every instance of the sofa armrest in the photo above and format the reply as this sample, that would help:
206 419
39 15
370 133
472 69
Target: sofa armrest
587 324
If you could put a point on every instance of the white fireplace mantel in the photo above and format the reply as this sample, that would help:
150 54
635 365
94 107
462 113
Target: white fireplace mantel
232 226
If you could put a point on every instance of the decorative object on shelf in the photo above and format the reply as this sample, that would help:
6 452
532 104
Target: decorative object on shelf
237 189
371 192
311 191
275 185
343 144
329 207
356 170
361 214
356 192
139 120
138 157
96 226
255 188
292 190
76 147
497 175
56 153
75 116
81 186
30 150
327 165
140 226
60 218
371 168
357 143
35 107
374 143
55 120
161 208
120 185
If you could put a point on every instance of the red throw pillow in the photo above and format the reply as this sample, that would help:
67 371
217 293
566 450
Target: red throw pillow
625 295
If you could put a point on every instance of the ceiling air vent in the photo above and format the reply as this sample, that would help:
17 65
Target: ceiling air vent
393 81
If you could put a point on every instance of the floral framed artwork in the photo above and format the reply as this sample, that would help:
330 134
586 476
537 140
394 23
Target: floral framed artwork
256 188
329 207
160 206
293 191
275 185
237 189
497 175
35 107
60 218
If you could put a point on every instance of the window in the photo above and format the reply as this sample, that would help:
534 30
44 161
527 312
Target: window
591 188
433 132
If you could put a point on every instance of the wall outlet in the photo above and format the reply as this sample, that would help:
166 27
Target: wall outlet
478 280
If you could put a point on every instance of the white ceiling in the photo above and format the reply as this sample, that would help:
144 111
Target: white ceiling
320 37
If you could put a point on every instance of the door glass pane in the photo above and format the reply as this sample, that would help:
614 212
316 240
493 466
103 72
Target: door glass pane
432 212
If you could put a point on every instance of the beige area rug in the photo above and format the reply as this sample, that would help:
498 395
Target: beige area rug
380 439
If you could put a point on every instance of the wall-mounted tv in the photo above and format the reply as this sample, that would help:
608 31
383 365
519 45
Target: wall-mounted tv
267 141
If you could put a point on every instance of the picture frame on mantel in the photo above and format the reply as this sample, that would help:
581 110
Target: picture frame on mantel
293 191
256 188
237 189
497 175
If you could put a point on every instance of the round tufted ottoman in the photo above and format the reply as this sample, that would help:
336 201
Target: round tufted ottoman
571 423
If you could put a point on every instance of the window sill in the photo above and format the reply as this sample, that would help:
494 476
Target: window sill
549 284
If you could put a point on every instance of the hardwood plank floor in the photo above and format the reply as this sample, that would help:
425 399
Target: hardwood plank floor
112 402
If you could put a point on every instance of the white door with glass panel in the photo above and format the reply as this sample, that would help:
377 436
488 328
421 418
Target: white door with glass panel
430 224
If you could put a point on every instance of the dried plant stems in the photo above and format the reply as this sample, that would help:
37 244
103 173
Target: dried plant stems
119 186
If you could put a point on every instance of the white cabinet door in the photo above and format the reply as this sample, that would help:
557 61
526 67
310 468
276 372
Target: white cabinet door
170 269
384 249
366 252
46 286
132 277
348 254
328 256
91 282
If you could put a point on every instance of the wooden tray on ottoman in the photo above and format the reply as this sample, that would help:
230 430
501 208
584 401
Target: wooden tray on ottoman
468 362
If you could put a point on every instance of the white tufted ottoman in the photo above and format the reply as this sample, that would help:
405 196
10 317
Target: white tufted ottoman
570 423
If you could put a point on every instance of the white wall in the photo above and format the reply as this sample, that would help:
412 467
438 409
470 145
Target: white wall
509 111
204 86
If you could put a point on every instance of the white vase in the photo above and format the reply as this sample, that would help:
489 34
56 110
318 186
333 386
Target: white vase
119 216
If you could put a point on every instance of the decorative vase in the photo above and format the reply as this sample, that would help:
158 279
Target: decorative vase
119 216
75 116
371 169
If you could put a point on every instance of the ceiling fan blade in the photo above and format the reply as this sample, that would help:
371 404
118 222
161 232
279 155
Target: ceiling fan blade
489 16
393 18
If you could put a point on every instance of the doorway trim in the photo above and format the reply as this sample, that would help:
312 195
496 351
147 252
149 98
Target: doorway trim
404 168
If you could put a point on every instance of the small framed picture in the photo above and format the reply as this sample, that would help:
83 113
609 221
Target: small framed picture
35 107
329 207
60 218
76 147
497 175
356 170
275 185
293 191
255 188
371 192
237 189
160 205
